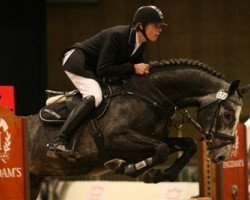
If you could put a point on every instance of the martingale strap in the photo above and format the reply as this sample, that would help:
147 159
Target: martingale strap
154 102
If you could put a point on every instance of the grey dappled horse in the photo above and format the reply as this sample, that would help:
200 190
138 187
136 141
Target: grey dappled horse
136 125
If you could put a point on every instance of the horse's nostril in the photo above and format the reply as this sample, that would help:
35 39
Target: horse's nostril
220 158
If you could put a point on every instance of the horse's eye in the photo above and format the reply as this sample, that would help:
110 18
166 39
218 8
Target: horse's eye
227 115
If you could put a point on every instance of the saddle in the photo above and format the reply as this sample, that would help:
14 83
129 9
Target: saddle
60 104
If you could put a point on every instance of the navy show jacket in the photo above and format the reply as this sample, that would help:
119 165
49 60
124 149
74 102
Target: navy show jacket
108 53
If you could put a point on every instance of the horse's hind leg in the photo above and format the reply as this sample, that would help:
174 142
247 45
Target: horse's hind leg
189 148
139 151
35 184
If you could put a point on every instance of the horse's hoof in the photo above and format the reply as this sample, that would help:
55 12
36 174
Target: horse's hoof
52 154
170 175
152 176
114 164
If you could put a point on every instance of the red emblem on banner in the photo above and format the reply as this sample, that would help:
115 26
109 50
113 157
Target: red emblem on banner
7 97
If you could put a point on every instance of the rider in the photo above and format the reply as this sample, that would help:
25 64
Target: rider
114 52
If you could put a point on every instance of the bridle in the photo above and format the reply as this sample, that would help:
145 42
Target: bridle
209 135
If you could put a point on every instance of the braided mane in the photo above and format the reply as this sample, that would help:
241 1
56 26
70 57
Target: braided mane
178 63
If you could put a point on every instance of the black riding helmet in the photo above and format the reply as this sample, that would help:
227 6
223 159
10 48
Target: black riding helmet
149 14
145 15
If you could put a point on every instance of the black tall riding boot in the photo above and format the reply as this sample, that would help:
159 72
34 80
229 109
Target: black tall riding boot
76 117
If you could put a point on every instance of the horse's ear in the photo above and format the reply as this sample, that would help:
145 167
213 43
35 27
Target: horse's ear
234 86
244 89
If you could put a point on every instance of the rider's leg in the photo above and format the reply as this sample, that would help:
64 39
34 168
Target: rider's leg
74 60
76 117
92 97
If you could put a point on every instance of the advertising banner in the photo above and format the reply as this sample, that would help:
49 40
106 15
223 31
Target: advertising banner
13 178
234 170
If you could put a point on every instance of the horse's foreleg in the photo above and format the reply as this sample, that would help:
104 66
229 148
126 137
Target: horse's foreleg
189 148
140 153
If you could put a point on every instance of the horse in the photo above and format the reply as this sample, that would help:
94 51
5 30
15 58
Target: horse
135 127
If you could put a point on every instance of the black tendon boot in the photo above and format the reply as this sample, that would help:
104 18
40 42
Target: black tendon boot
76 117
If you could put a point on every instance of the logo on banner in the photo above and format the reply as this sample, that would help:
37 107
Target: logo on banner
5 141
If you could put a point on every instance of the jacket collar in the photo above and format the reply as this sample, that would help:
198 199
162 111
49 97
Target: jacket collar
131 42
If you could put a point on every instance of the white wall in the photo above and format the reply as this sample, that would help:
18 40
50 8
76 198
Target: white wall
109 190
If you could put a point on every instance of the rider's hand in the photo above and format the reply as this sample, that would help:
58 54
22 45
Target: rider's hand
141 68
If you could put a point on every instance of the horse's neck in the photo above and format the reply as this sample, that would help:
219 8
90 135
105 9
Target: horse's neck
186 87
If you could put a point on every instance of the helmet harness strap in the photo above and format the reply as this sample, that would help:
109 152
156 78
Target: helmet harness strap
142 28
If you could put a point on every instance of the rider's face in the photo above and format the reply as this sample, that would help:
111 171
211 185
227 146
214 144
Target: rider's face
153 31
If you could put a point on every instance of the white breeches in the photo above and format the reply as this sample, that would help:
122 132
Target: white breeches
86 86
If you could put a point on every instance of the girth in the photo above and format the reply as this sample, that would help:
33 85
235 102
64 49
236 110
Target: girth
96 133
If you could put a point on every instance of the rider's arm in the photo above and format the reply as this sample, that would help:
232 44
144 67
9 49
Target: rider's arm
112 50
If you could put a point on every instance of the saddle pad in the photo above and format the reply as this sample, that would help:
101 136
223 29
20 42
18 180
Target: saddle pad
58 111
54 113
